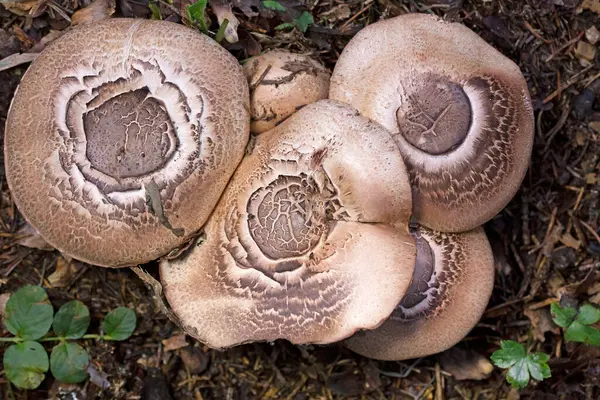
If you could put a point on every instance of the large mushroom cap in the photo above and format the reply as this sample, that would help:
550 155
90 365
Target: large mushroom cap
458 109
281 83
309 242
451 286
122 137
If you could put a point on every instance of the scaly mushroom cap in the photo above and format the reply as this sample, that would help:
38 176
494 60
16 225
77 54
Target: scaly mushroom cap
309 242
451 286
280 84
122 137
458 109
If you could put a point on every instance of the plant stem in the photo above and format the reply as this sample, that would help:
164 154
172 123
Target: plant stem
11 339
221 31
92 336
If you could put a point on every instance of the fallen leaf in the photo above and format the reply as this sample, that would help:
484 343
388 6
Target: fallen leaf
20 8
28 236
585 50
592 5
97 11
466 364
223 12
541 322
98 378
337 13
3 299
248 7
175 342
65 270
592 35
16 60
194 359
568 240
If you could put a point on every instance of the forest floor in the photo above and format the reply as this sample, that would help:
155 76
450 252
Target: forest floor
546 242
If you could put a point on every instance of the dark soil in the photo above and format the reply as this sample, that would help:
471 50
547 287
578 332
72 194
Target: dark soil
546 241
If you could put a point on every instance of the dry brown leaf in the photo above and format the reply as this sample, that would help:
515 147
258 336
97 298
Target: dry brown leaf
97 11
541 322
593 5
194 359
337 13
568 240
17 59
223 12
3 299
175 342
466 364
20 8
65 270
28 236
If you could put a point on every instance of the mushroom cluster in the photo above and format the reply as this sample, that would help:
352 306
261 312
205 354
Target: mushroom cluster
352 213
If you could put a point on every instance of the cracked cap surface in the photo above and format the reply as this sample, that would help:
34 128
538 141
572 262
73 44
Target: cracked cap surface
309 242
120 138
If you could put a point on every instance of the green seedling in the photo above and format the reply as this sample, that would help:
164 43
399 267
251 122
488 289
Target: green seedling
196 13
29 316
273 5
578 323
521 366
155 11
302 22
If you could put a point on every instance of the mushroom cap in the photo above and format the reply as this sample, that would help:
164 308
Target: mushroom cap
291 82
122 136
458 109
309 242
451 286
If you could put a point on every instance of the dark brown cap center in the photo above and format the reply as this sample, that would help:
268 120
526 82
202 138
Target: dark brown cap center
436 114
286 218
128 135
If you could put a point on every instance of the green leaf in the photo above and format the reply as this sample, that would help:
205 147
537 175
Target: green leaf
25 364
29 313
304 21
119 324
195 13
588 314
578 332
285 25
155 11
273 5
538 366
562 316
509 354
72 320
518 374
69 362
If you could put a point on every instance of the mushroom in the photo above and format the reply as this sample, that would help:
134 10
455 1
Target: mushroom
281 83
451 286
309 242
122 136
459 111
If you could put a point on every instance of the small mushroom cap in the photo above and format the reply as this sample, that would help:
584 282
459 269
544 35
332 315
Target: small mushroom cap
309 242
451 286
122 136
280 84
458 109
